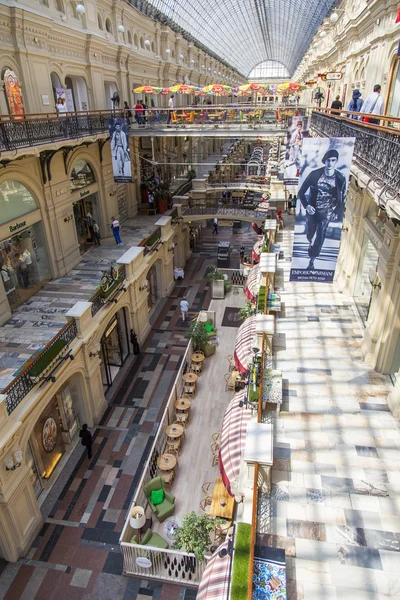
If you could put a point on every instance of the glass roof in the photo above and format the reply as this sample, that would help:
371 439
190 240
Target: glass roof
269 69
245 33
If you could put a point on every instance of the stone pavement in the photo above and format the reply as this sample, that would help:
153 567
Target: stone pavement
335 503
76 555
39 319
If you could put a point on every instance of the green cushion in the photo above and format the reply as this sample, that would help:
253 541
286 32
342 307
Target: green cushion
134 540
146 538
209 328
157 497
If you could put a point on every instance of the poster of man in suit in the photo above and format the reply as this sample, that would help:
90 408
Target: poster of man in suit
120 153
296 132
321 197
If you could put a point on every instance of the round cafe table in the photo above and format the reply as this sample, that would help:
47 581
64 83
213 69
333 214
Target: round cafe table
190 378
197 357
166 462
174 431
183 404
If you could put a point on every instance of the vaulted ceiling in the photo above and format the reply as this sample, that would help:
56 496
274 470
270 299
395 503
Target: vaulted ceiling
246 32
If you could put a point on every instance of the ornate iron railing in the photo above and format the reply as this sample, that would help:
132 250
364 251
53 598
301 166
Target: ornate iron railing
24 382
99 298
230 211
376 151
152 241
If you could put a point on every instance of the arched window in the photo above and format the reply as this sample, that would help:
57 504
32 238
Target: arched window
82 175
15 201
393 107
60 6
141 43
129 37
269 69
99 21
108 26
136 40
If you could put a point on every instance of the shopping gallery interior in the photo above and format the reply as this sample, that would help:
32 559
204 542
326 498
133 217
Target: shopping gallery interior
200 300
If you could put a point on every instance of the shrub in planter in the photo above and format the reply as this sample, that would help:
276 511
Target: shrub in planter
246 311
214 274
194 535
197 333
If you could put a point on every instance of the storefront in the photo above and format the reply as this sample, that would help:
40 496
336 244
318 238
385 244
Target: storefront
85 203
114 348
24 259
53 433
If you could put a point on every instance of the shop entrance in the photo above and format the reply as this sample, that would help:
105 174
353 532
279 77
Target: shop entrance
53 433
363 289
85 207
152 287
114 347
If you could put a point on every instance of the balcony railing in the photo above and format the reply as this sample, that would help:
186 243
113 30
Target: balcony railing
223 210
41 367
100 298
377 148
152 241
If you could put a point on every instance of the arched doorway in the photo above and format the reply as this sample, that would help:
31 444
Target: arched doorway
78 86
115 347
55 85
24 260
86 206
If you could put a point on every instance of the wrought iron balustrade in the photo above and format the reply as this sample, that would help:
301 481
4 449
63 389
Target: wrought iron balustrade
376 151
152 241
225 210
99 298
24 382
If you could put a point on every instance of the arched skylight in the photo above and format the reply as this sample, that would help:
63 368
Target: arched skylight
269 69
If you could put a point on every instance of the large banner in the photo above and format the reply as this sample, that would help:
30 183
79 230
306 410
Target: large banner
13 93
321 197
296 132
120 153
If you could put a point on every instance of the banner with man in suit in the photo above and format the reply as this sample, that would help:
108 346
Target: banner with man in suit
120 153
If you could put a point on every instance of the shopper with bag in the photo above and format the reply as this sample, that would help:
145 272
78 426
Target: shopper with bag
373 105
355 104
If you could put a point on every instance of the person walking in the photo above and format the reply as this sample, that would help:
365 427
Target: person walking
215 225
184 309
87 439
294 203
135 343
139 112
170 106
336 104
373 105
355 104
115 229
89 222
96 234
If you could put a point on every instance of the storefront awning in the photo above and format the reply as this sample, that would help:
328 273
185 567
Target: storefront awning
251 290
214 584
233 439
244 343
257 251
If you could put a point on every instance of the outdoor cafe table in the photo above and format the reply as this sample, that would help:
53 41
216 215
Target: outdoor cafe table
197 357
221 497
190 378
174 431
166 462
183 404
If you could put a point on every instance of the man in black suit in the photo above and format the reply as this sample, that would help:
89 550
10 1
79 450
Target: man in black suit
324 201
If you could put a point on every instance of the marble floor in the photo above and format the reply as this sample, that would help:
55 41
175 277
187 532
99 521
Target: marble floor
335 501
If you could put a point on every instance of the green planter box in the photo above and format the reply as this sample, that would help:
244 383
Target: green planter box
47 358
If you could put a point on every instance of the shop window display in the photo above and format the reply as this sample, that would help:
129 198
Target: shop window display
82 175
24 264
114 348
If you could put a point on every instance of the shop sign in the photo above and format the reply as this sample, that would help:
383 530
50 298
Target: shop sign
225 223
111 328
373 237
17 226
333 76
85 193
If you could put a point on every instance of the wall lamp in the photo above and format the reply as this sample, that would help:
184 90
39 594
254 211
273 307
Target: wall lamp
345 229
374 279
68 218
97 351
13 462
113 192
144 286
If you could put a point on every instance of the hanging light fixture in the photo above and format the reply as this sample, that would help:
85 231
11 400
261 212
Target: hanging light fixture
168 51
322 33
121 28
147 43
80 9
334 17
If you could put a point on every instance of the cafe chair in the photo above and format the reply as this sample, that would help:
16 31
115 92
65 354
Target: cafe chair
189 389
215 437
172 445
167 476
182 418
197 368
229 382
207 488
231 362
221 531
215 453
173 451
167 507
204 503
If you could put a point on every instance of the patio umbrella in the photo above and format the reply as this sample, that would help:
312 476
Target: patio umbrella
257 229
214 584
184 89
233 439
252 284
147 89
245 340
255 255
217 88
165 91
282 88
251 87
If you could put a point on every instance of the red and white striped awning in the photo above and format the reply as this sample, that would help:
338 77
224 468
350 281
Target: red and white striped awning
263 206
244 343
251 289
214 584
233 439
255 255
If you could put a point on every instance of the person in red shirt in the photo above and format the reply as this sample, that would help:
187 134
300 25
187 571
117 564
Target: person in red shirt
139 112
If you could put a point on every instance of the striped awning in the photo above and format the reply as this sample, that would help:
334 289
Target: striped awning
244 343
263 206
255 255
214 584
233 439
252 286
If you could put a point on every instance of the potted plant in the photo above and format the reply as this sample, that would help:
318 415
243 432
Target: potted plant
217 282
248 310
193 535
198 335
144 191
192 174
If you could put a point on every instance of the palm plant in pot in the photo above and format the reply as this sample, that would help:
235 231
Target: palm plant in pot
217 282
